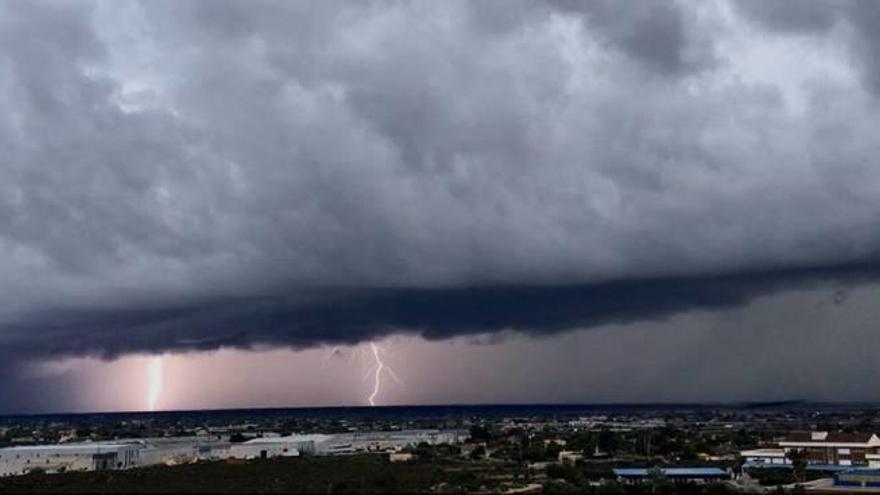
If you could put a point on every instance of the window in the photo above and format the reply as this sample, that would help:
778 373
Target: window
843 451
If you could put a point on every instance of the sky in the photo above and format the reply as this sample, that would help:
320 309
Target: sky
216 203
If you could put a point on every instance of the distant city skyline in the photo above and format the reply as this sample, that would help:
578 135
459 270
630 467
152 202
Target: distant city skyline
210 204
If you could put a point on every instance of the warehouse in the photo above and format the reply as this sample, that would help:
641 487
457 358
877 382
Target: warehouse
69 457
268 447
182 450
125 454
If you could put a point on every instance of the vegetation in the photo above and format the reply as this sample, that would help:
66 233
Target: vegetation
782 476
362 474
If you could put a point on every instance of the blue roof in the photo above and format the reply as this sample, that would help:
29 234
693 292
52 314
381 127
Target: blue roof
694 472
870 471
833 468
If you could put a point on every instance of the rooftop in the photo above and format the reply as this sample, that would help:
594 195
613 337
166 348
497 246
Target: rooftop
694 472
84 446
828 437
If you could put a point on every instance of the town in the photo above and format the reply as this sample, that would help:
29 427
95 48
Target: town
794 448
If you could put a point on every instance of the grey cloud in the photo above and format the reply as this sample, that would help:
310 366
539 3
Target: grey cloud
656 34
811 17
202 174
803 16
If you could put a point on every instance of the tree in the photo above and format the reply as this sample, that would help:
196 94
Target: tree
479 452
480 433
611 488
553 487
659 482
608 441
551 452
738 465
566 472
798 460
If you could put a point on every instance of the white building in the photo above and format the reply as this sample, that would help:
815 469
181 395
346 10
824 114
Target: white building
388 441
765 456
276 446
69 457
127 454
182 450
820 447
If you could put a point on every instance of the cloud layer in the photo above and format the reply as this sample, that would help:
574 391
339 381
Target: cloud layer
194 174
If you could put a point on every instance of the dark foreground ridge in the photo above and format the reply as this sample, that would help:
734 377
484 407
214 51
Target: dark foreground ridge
359 474
348 474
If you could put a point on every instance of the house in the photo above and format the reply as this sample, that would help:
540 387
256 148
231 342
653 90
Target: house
821 447
765 456
570 456
843 449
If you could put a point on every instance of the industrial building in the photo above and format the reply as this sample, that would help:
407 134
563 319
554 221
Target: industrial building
287 446
182 450
126 454
69 457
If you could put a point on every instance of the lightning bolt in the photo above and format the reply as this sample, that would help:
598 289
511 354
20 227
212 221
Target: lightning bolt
378 368
154 376
377 380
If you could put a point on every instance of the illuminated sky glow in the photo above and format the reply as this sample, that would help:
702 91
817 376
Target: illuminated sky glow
154 388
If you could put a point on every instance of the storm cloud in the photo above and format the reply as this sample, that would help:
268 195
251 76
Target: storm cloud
191 175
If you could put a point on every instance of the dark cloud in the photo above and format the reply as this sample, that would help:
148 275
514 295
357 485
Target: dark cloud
339 317
190 175
804 16
656 34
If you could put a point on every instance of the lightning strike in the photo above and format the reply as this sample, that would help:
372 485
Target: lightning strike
154 377
378 368
378 378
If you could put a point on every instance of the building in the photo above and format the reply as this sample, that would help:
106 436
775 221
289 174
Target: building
570 456
842 449
277 446
823 448
676 475
864 479
69 457
385 441
127 454
765 456
182 450
401 457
